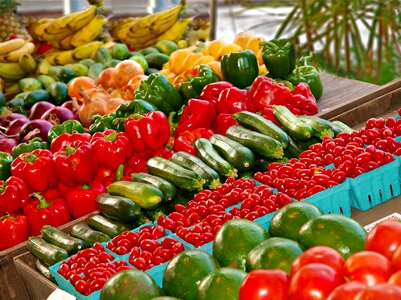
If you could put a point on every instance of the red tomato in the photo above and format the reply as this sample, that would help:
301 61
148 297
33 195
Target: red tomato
314 281
265 285
384 238
347 291
368 267
395 279
319 254
385 291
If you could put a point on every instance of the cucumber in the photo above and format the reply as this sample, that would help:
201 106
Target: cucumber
167 188
145 195
44 270
209 155
259 143
179 176
258 123
88 235
344 127
103 55
291 124
118 208
191 162
61 239
47 253
108 226
321 127
241 157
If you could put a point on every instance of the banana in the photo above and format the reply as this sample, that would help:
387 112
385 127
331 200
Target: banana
89 32
108 45
11 45
27 63
65 58
65 44
51 55
12 87
82 19
11 71
13 56
87 50
147 21
162 24
141 43
176 31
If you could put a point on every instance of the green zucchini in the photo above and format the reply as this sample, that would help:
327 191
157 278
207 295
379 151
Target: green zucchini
291 124
118 208
344 127
194 163
88 235
293 150
241 157
47 253
258 123
211 157
167 188
108 226
321 127
44 270
154 214
179 176
61 239
259 143
145 195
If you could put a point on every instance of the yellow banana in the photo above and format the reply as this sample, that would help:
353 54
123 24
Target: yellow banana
82 19
12 87
164 23
87 50
27 48
89 32
66 43
108 45
11 71
176 31
51 55
142 42
2 85
11 45
27 63
65 58
148 20
37 29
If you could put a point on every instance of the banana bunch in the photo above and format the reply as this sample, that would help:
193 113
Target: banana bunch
12 50
69 31
146 31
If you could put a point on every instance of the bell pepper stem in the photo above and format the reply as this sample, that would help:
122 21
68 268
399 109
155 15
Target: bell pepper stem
111 137
119 172
136 116
7 216
3 187
87 186
30 157
69 150
42 201
173 125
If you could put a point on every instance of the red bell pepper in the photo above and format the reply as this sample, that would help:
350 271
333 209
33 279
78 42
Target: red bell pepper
223 122
137 163
267 113
197 114
308 105
36 168
111 148
186 139
82 200
149 131
211 92
76 163
66 139
13 230
233 100
43 211
14 195
163 152
265 91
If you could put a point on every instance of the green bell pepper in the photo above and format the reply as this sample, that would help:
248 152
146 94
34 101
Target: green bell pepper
160 92
5 164
279 57
201 76
35 143
136 106
69 126
110 121
309 74
240 68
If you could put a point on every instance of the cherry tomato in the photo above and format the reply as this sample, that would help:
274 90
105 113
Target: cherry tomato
105 257
346 291
139 263
81 286
395 279
385 291
97 284
384 238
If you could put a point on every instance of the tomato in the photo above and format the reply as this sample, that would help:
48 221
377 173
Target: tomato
346 291
384 238
368 267
385 291
319 254
314 281
265 285
395 279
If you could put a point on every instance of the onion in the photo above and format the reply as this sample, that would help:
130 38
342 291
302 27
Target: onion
15 127
70 105
6 145
57 115
38 109
35 128
7 117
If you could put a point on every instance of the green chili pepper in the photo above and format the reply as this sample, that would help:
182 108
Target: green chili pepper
5 163
69 126
136 106
279 57
35 143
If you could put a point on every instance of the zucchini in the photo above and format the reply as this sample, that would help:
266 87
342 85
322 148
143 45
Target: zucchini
194 163
154 214
344 127
291 124
44 270
260 124
108 226
293 150
259 143
211 157
321 127
47 253
145 195
61 239
118 208
179 176
88 235
166 187
241 157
